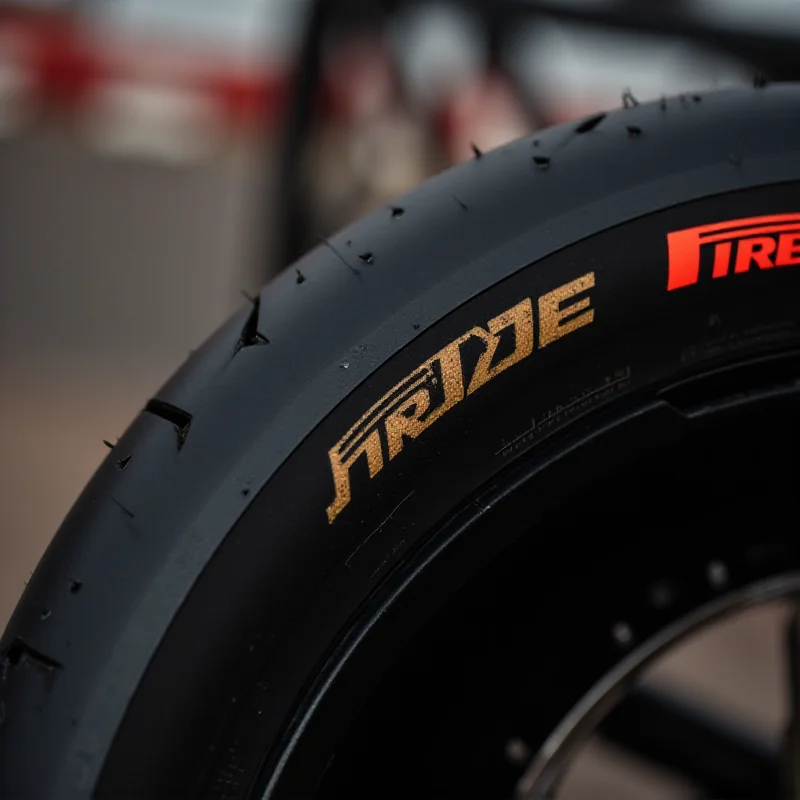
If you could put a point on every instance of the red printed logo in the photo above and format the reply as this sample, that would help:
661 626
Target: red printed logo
738 246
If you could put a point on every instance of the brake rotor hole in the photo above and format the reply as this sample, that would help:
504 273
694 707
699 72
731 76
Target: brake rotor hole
622 634
717 574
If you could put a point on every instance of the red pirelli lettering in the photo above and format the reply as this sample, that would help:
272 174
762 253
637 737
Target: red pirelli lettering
760 242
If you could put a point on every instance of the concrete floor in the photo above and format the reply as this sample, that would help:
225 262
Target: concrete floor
110 273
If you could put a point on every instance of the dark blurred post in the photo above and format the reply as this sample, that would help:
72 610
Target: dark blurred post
299 116
293 234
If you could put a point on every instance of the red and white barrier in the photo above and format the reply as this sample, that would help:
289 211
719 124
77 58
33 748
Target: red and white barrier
128 97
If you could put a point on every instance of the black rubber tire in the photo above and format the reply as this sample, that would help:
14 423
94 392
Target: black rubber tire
197 585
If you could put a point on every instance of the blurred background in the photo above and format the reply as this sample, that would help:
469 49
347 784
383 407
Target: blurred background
161 158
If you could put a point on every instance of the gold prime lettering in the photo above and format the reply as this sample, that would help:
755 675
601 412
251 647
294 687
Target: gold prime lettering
436 386
552 314
521 319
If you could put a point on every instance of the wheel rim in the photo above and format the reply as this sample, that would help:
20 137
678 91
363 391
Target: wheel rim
548 765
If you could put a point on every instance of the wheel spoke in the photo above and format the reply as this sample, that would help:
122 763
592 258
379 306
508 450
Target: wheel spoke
707 750
791 741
